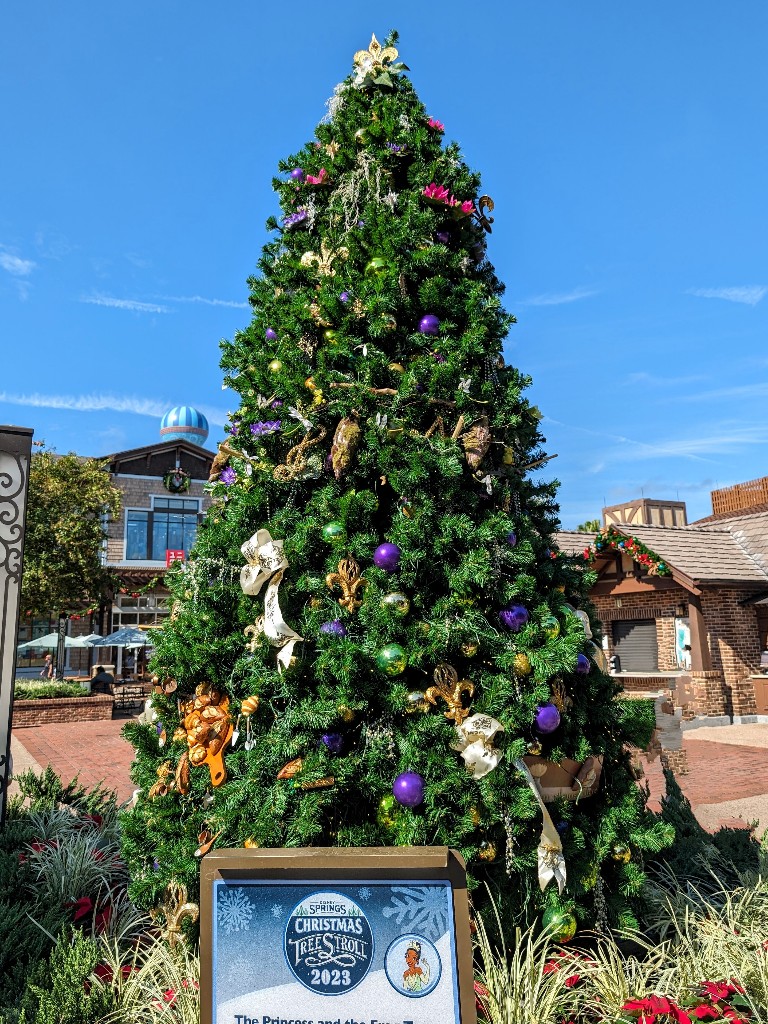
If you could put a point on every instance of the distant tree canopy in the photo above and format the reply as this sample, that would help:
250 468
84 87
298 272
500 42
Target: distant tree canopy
590 526
70 499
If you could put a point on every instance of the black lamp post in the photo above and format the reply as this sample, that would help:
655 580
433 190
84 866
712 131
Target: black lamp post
15 455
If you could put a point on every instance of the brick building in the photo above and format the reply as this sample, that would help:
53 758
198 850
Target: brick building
163 501
692 616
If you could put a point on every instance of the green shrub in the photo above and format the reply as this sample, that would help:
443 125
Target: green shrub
32 690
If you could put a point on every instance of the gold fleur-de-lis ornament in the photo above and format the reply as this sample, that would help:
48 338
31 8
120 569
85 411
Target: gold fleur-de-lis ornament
349 581
452 690
375 56
325 260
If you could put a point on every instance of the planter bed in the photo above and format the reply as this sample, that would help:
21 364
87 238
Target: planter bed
27 713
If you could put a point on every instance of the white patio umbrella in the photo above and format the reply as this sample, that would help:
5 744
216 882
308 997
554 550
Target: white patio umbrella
129 636
51 641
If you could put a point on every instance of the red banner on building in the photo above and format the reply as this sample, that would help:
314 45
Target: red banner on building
173 556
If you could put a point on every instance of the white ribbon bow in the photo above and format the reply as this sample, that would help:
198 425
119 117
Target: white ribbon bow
474 736
265 557
551 859
266 562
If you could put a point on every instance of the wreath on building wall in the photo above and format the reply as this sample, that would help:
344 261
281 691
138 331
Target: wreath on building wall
176 481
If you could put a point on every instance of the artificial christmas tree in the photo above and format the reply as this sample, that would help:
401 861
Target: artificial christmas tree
373 642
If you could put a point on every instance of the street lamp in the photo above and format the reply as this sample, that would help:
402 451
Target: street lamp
15 454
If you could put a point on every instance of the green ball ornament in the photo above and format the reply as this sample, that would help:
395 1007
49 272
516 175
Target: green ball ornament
361 136
551 626
622 853
560 923
376 267
391 660
396 603
275 366
386 811
334 533
330 336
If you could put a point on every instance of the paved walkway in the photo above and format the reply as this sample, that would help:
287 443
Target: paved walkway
727 783
95 752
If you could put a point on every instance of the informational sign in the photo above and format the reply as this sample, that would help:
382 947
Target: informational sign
335 936
172 556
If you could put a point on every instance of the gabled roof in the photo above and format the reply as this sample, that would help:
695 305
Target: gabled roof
750 531
156 459
711 554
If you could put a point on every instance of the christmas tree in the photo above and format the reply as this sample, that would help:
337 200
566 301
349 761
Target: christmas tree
375 641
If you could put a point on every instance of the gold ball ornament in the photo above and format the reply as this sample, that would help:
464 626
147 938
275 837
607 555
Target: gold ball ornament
470 648
508 458
275 366
345 714
474 814
416 701
315 603
621 853
396 367
534 748
397 603
522 665
487 851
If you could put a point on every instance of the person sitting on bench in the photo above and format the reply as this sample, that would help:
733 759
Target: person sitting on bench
102 680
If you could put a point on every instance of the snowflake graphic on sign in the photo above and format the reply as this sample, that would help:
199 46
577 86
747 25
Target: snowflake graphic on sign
234 910
424 908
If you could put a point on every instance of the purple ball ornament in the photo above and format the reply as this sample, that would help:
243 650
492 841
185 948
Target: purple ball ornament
408 789
547 718
443 236
387 557
270 335
429 324
582 665
511 538
514 617
297 174
344 297
333 742
336 628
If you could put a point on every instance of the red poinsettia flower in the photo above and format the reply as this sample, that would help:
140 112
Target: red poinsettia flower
717 990
650 1007
705 1012
481 998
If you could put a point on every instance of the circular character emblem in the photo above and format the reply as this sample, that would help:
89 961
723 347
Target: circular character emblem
328 943
413 965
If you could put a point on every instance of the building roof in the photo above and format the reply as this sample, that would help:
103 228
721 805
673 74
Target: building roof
724 517
572 542
706 554
713 554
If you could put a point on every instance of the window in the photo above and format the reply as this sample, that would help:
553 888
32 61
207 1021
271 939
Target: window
171 524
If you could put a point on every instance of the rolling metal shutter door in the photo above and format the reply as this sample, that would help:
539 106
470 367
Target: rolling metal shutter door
634 640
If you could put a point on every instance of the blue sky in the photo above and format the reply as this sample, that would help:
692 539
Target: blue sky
625 147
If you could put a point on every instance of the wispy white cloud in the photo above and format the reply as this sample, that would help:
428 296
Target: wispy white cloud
721 439
101 403
15 264
130 304
559 298
207 302
748 295
141 262
757 390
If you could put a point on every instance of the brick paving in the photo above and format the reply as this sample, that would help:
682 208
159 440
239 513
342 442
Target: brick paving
93 751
